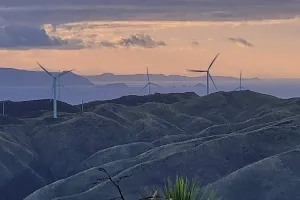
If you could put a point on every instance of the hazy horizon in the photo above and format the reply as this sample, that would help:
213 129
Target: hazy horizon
260 38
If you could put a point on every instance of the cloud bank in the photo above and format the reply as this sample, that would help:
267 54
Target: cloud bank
24 37
27 37
58 11
137 40
241 42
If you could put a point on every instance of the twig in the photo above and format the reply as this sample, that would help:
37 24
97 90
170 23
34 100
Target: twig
154 194
116 184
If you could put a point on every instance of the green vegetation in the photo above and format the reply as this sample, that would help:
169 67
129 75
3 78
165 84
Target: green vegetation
183 189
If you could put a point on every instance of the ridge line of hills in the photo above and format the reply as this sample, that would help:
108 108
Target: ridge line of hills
105 77
21 77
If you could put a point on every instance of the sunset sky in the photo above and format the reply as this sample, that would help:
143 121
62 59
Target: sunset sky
264 47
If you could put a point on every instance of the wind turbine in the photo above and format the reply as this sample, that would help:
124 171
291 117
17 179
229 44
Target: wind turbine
54 86
240 86
149 84
208 76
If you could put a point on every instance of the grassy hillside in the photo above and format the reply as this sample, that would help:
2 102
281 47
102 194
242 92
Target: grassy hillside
222 140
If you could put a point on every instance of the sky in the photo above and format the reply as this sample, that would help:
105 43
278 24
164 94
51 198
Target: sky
262 38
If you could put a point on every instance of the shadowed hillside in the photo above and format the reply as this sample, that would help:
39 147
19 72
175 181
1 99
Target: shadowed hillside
34 108
238 143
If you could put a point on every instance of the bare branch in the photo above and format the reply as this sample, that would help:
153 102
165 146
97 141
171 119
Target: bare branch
98 181
116 184
122 177
102 179
126 176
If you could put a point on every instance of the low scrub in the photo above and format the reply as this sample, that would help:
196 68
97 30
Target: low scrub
181 189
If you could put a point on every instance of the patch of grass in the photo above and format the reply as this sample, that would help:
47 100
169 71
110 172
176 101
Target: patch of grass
183 189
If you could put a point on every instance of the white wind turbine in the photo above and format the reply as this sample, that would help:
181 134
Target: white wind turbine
208 76
54 86
149 84
240 86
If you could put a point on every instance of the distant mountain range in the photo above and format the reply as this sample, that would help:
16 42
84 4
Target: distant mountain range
17 77
108 77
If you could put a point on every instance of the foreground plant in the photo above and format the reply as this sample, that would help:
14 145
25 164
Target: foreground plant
183 189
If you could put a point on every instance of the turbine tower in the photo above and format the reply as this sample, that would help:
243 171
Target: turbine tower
240 86
54 86
58 85
149 84
208 76
3 108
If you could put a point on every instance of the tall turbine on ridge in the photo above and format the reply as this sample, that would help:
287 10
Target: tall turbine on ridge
208 76
149 83
240 86
54 86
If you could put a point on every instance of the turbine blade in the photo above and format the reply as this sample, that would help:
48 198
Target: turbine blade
65 88
44 69
195 70
212 81
213 61
238 88
65 72
144 87
155 85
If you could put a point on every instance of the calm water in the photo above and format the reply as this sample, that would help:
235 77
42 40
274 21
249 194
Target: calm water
74 95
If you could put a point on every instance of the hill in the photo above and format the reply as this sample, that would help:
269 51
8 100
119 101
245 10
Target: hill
134 100
108 77
34 108
243 144
18 77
